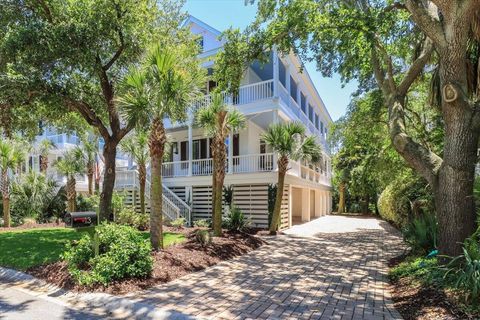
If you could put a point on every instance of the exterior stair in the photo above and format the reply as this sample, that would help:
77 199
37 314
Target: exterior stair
172 206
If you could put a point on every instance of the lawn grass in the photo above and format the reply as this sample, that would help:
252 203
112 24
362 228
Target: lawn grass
23 249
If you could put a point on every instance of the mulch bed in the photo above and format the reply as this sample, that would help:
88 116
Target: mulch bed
173 262
415 301
33 225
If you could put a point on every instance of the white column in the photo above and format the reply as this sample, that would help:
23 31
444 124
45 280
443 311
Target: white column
190 148
290 205
230 153
275 121
276 72
318 203
305 204
329 202
325 204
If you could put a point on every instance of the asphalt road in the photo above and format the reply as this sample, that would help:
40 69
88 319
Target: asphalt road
16 303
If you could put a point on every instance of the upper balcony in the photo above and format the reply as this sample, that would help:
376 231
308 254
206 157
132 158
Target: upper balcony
244 164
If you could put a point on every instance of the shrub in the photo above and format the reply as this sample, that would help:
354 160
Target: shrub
421 233
178 223
35 196
228 195
202 223
463 271
236 220
87 203
129 217
123 254
399 201
204 237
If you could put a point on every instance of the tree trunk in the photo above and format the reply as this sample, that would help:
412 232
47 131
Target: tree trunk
278 203
341 200
142 177
218 211
6 199
6 211
90 174
365 202
109 154
71 194
43 163
282 164
156 142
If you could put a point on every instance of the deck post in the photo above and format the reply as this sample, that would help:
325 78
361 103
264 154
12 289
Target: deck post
276 72
230 153
190 148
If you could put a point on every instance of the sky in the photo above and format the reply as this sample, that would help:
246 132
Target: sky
221 14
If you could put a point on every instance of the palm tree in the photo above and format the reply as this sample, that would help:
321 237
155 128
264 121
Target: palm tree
88 151
10 157
136 146
70 165
44 148
219 121
289 141
162 89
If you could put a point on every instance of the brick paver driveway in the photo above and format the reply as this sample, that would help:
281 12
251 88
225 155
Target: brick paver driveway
331 268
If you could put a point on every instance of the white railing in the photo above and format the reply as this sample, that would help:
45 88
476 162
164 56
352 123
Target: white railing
175 169
184 209
246 94
253 163
254 92
170 209
202 167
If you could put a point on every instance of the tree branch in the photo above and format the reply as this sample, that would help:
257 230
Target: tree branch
88 114
416 67
428 21
46 10
420 158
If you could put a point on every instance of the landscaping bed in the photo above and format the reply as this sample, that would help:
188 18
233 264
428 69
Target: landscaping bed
416 296
175 261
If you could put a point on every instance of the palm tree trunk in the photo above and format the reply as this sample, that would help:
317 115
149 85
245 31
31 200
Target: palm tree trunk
71 194
219 156
90 173
341 200
43 163
278 202
142 177
218 211
6 200
156 142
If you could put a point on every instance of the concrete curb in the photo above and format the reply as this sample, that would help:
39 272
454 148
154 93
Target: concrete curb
101 303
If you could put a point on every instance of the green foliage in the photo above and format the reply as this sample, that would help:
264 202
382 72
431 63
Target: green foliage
35 196
228 195
421 233
117 202
178 223
136 146
202 223
204 237
395 202
235 220
420 268
289 140
87 203
70 164
463 271
128 216
124 254
24 249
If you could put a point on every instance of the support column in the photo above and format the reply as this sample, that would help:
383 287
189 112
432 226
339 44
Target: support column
318 203
190 148
324 206
276 72
230 153
305 204
329 201
290 205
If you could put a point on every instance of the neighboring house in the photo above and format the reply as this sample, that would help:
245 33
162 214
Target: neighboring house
273 92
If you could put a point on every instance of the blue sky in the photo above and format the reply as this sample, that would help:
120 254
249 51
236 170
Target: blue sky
222 14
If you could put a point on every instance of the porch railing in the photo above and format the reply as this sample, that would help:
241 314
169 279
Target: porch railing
253 163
